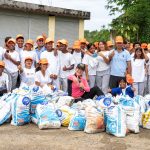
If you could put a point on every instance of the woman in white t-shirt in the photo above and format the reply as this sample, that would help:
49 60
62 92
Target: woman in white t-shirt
27 73
138 70
90 65
103 69
42 77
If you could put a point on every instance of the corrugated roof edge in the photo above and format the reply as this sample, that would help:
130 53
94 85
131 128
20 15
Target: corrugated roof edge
43 9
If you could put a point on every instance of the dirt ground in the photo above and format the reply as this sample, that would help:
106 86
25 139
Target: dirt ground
30 137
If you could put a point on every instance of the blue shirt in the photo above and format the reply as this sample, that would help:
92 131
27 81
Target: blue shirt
118 91
38 52
119 63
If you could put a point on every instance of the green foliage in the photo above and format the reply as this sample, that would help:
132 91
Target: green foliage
134 22
95 36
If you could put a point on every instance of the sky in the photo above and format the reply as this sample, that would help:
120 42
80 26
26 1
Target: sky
99 14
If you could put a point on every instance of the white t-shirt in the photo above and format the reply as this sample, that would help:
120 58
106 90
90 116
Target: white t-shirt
66 59
53 61
148 63
9 65
43 79
2 51
28 76
92 64
138 69
4 82
24 54
102 66
19 50
77 58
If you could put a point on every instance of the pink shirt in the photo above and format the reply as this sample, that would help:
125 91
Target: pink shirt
76 92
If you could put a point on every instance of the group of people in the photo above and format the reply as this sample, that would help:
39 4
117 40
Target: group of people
84 70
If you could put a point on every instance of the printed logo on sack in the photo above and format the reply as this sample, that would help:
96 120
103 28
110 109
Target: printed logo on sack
111 125
107 101
26 101
59 113
44 103
35 89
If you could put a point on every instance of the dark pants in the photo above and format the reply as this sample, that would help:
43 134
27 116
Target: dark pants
93 92
114 81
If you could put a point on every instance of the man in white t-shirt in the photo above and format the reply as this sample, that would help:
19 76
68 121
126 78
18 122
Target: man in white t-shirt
53 59
19 43
66 64
4 81
12 60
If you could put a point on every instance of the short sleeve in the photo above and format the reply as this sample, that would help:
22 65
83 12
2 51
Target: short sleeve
37 77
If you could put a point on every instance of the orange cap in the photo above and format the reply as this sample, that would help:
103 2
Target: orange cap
148 46
12 40
63 41
76 45
28 58
49 40
144 45
119 39
109 43
19 35
83 41
30 41
2 63
43 61
129 79
39 37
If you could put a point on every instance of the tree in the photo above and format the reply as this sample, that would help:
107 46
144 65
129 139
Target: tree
95 36
134 21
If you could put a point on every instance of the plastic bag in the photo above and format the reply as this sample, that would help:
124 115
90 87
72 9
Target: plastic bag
37 97
147 101
94 121
5 112
104 102
66 115
64 100
116 121
20 110
146 119
47 118
77 122
34 118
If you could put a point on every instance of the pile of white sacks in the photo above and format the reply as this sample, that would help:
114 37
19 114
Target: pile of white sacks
53 109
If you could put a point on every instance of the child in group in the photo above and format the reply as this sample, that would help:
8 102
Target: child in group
66 64
4 81
78 86
90 65
125 87
27 73
42 77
